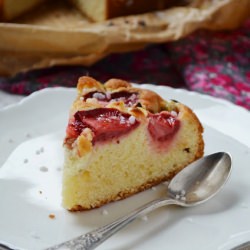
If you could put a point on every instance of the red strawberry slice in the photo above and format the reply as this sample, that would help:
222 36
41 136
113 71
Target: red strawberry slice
106 123
74 128
163 126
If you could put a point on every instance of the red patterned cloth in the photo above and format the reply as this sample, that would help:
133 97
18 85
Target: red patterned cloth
214 63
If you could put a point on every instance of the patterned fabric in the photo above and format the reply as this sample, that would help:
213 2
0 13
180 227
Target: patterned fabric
214 63
217 64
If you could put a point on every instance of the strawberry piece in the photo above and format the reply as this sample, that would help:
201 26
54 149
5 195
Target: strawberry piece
163 126
106 123
74 128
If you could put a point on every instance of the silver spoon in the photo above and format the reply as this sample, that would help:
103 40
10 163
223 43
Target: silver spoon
195 184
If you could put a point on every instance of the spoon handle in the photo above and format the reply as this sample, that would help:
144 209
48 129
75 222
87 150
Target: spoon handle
94 238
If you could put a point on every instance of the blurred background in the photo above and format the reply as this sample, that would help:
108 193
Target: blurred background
197 45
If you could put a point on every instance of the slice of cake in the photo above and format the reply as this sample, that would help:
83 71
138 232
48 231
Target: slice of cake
121 140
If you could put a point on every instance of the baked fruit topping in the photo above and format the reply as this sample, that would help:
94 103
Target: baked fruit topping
105 123
163 126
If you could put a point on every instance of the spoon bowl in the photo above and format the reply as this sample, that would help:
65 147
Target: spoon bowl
201 180
195 184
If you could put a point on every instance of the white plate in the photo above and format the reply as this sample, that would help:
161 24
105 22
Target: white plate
30 181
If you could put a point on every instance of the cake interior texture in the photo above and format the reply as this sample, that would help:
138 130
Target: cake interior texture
147 141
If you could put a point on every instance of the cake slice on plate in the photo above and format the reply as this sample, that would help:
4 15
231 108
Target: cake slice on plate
121 140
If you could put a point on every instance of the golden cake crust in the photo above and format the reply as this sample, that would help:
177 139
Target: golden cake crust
149 100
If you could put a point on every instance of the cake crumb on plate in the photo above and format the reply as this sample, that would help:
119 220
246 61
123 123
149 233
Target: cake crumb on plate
52 216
